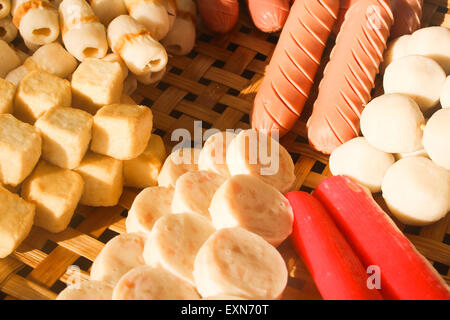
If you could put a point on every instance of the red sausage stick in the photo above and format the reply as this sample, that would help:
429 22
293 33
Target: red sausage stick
294 64
405 273
334 266
350 75
269 15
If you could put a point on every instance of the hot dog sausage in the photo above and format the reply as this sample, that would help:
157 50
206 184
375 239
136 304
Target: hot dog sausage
349 76
295 61
345 5
407 15
269 15
219 15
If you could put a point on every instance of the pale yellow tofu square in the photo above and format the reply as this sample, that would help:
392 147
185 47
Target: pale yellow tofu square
38 92
66 133
103 180
55 192
7 92
16 220
143 171
96 83
20 149
121 131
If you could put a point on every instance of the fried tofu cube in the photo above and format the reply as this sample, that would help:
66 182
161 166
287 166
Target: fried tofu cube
55 192
20 149
66 133
121 131
7 91
16 220
103 180
143 171
96 83
38 92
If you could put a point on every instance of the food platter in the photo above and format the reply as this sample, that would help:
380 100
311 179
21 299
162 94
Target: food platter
216 83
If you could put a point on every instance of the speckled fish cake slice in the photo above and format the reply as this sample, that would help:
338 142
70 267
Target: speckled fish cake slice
213 156
147 283
246 201
118 256
236 262
175 241
151 204
260 155
194 191
87 290
178 163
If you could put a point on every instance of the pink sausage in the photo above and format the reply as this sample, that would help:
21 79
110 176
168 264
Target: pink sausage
269 15
407 15
294 64
345 5
350 75
219 15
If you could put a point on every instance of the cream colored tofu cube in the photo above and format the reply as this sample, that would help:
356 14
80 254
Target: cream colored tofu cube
121 131
55 192
7 91
96 83
143 171
9 59
103 180
38 92
66 133
20 149
16 220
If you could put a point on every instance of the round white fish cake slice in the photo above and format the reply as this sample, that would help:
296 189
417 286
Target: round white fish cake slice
87 290
178 163
255 153
194 191
150 204
175 241
236 262
118 256
248 202
213 156
148 283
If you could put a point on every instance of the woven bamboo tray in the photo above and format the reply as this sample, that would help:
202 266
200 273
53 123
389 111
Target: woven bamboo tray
216 83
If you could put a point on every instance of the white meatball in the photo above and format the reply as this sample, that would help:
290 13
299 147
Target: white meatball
436 138
396 49
416 191
419 77
361 162
445 94
392 123
432 42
